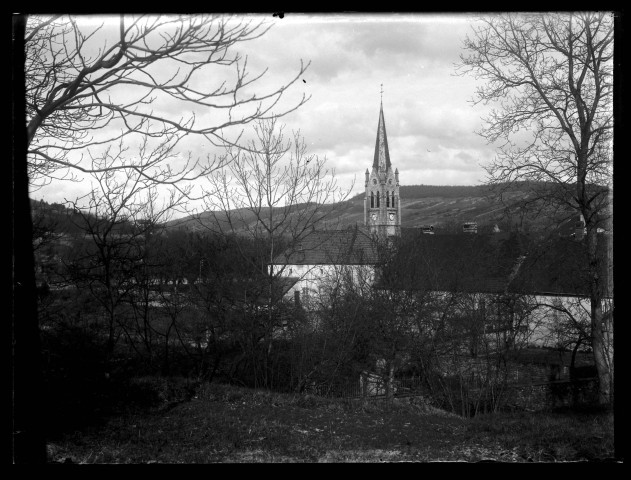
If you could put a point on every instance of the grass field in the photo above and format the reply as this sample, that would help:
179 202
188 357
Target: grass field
225 424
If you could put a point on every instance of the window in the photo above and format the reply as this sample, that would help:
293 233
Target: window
470 227
372 200
388 199
377 199
392 199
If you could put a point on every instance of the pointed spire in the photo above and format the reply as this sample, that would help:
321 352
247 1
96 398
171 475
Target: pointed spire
382 155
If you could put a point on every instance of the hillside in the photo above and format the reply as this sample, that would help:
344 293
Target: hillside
444 207
440 207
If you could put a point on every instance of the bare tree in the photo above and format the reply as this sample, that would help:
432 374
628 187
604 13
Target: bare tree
88 88
116 219
550 80
85 103
275 193
28 441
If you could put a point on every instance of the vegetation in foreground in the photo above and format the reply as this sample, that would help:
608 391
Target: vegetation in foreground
222 423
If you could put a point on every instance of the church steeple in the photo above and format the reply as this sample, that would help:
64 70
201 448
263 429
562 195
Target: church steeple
381 160
382 209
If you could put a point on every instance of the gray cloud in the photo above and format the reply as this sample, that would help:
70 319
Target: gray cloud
425 105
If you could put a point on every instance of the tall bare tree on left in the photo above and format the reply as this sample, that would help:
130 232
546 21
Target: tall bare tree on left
160 77
119 97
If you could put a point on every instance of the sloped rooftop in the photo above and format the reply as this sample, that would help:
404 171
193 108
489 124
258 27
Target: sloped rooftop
492 263
482 263
353 246
560 267
456 262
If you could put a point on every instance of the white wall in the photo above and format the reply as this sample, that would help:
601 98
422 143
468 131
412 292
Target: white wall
314 280
546 319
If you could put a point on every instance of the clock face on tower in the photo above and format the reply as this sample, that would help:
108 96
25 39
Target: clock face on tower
374 216
392 216
390 181
374 181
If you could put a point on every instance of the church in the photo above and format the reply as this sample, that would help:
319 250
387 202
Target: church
323 256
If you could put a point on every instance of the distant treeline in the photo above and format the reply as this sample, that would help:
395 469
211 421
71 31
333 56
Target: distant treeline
53 217
57 218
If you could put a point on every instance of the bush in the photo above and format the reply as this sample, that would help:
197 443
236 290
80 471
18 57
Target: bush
159 392
75 378
83 384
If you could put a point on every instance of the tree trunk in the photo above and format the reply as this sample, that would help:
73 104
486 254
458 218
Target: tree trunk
574 352
601 350
390 382
28 441
600 326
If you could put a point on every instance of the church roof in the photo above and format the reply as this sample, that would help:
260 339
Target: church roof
382 155
353 246
481 263
560 267
455 263
490 263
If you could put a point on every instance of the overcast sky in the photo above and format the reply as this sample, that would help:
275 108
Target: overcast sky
430 121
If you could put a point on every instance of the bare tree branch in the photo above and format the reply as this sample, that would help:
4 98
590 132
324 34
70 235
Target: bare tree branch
85 90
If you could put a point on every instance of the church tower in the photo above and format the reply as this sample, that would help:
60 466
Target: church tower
382 207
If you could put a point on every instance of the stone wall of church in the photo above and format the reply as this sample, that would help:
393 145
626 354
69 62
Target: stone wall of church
382 208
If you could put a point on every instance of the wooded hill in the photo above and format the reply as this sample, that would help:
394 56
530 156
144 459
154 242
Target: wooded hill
445 207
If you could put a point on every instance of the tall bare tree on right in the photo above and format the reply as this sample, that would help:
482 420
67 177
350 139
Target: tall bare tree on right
549 80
